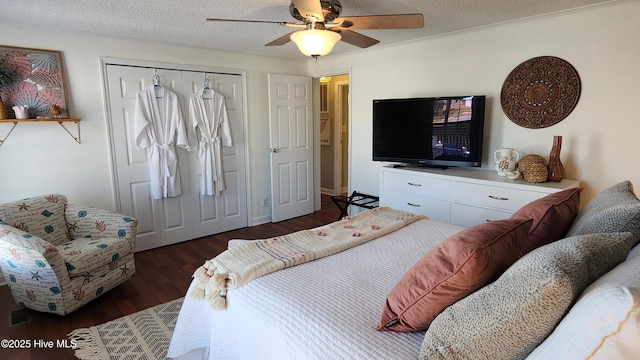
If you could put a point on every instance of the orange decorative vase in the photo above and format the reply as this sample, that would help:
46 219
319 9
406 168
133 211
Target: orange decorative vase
555 167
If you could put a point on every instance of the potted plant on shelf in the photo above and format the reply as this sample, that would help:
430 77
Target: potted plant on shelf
5 78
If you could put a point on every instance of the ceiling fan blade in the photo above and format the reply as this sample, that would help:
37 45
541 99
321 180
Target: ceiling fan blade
357 39
399 21
310 9
283 23
281 40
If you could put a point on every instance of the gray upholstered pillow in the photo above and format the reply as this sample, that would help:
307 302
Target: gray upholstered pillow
510 317
616 209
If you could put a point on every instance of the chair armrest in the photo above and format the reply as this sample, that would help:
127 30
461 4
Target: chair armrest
84 222
26 256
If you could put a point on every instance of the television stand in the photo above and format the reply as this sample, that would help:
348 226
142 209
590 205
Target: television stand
461 196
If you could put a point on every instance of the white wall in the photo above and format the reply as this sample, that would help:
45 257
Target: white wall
600 137
599 146
42 158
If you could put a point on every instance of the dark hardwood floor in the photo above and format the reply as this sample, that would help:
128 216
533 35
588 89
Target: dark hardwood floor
162 275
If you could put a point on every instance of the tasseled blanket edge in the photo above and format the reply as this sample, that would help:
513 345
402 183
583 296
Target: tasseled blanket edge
211 285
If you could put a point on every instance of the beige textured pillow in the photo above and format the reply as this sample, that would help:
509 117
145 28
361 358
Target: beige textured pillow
512 316
616 209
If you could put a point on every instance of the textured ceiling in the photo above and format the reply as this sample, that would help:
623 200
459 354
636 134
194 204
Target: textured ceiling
183 21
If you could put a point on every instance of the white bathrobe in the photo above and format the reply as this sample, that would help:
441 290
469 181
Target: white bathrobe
209 120
159 126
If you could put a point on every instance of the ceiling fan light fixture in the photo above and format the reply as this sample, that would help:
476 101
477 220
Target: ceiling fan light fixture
315 42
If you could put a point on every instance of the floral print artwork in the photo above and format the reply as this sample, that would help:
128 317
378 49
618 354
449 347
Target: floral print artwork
36 81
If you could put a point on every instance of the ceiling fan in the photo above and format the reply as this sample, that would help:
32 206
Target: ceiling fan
322 26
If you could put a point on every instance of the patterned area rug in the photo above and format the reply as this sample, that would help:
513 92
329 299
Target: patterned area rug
142 335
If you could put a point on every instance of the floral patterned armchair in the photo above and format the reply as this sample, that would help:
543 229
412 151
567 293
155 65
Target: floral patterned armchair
57 257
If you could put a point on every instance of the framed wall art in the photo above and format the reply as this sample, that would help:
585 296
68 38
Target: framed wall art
325 130
36 81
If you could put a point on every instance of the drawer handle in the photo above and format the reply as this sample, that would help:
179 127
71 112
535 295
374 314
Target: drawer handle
416 205
414 184
498 197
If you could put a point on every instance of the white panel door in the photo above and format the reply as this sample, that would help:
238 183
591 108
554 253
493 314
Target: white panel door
234 198
160 222
229 210
171 220
291 131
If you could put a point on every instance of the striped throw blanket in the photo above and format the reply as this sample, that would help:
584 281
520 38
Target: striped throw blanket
238 265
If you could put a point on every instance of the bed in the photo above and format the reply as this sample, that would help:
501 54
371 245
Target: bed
576 292
325 309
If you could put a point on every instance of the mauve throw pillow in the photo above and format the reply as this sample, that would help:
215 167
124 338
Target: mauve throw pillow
457 267
552 216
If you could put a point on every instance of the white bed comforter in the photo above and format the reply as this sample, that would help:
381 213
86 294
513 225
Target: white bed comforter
324 309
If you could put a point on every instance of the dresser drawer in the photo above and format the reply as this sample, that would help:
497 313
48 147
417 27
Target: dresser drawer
421 185
468 216
501 198
433 208
465 197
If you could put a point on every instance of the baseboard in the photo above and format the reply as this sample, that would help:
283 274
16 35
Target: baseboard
326 191
261 220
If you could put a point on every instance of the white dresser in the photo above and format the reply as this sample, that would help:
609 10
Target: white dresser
460 196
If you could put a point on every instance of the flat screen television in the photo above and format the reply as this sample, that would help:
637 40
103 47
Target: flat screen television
436 131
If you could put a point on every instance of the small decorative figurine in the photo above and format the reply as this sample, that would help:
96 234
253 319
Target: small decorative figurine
55 110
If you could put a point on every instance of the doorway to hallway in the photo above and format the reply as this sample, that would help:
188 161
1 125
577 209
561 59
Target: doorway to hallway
334 134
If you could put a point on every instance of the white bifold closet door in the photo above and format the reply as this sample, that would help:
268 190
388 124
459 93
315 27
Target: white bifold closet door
191 215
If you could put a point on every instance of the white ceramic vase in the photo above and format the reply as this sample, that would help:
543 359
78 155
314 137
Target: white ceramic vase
506 160
22 111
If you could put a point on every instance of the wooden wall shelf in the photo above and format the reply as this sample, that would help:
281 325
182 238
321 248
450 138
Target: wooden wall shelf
61 122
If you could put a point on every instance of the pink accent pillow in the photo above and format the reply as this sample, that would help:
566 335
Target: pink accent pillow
552 216
454 269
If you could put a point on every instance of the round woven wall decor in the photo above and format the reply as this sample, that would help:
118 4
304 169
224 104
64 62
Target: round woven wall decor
540 92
